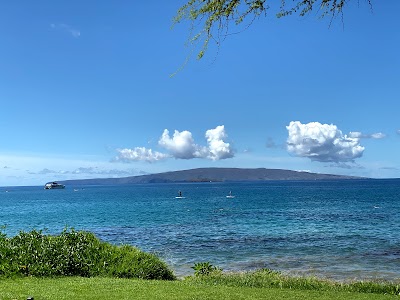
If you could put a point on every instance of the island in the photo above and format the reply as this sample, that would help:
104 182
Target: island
212 175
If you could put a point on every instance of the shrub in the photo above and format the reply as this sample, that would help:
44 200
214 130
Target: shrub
205 268
75 253
129 262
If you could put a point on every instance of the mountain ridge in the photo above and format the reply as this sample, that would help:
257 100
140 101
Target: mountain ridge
213 175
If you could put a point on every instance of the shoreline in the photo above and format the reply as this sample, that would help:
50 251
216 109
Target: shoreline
306 274
340 274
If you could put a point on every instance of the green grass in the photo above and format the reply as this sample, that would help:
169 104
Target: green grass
113 288
266 278
77 265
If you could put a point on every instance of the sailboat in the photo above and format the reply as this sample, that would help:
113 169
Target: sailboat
179 195
230 195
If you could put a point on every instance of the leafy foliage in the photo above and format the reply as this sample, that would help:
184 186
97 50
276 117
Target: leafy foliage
205 268
214 16
75 253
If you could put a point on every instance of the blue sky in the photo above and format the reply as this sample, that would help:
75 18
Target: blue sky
86 92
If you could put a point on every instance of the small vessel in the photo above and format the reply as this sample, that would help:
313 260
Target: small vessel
53 185
230 195
179 195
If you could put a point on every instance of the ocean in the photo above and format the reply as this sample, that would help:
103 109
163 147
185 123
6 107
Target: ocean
340 230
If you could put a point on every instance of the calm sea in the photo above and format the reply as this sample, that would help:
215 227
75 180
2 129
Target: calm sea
332 229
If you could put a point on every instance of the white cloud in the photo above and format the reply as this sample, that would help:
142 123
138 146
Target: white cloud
139 154
355 134
378 135
217 148
181 145
322 142
66 28
359 135
398 131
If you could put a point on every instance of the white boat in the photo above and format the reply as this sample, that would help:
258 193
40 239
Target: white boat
230 195
53 185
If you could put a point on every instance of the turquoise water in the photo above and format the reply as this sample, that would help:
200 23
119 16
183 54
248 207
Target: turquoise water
334 229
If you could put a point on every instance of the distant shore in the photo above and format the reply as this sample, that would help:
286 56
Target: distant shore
213 175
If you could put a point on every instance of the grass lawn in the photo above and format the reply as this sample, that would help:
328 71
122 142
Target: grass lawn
112 288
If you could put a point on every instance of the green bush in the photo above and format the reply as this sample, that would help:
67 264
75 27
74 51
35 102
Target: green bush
205 268
75 253
129 262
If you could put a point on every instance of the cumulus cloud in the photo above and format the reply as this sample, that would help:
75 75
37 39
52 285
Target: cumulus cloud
217 148
322 142
359 135
139 154
181 145
66 28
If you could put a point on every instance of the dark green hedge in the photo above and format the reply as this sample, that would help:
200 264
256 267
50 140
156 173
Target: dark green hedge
75 253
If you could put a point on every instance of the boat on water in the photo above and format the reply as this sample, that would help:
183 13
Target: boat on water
53 185
230 195
180 196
